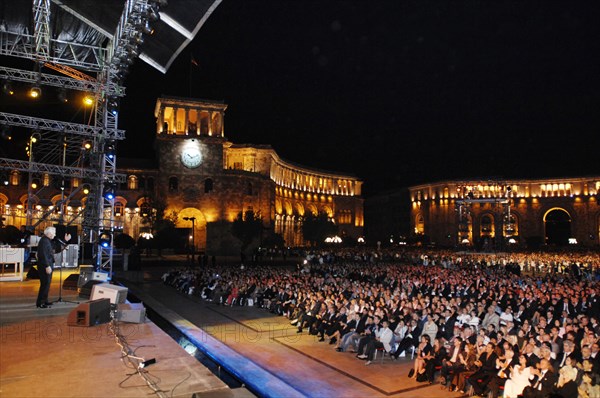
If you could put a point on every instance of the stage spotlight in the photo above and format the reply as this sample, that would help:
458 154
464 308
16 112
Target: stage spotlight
112 105
110 149
109 191
87 145
7 88
88 100
105 239
147 29
35 92
62 95
5 132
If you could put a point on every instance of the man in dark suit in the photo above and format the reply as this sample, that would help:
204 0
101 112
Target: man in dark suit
448 324
47 247
545 383
569 350
487 369
531 357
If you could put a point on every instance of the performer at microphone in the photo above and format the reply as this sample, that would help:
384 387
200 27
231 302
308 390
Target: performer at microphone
46 249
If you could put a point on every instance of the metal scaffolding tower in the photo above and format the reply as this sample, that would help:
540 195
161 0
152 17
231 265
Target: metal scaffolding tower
84 152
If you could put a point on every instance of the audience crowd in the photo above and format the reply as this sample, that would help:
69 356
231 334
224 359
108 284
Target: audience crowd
503 324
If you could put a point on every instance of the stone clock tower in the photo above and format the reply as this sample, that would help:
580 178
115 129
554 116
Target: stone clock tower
192 177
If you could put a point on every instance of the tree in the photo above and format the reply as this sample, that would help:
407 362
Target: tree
123 241
247 227
164 227
315 228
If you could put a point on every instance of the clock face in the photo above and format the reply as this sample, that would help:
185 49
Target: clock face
191 157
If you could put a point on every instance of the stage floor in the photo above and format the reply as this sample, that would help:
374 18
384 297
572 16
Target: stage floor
263 351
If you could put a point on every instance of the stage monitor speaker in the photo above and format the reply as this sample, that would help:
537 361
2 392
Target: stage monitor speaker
70 282
87 273
92 313
85 291
116 294
131 312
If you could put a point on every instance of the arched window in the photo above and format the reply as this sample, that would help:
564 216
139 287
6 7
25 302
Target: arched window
419 225
208 185
145 209
249 189
118 209
487 225
14 177
511 225
132 182
173 184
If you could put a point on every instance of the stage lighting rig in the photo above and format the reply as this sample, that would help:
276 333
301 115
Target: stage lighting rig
105 239
35 91
110 149
7 88
109 191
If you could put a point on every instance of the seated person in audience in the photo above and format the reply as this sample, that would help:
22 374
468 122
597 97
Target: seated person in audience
437 355
423 354
504 367
383 339
349 326
467 366
452 362
566 387
520 377
486 364
545 382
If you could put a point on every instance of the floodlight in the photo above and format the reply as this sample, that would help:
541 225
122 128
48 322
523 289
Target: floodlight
105 239
35 92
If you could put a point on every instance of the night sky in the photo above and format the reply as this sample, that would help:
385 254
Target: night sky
395 92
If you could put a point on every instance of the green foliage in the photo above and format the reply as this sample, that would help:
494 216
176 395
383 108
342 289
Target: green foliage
273 240
247 227
164 228
315 228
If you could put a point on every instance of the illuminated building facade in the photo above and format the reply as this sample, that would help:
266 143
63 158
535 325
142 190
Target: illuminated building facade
206 181
498 214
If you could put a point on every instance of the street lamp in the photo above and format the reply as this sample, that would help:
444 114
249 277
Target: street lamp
193 220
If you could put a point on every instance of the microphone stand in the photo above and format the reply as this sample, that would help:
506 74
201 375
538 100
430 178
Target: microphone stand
60 299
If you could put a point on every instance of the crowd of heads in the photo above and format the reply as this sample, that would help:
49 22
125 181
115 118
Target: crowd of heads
513 303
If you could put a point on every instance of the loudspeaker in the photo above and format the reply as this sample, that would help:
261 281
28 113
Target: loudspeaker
70 282
86 290
91 313
87 273
116 294
131 312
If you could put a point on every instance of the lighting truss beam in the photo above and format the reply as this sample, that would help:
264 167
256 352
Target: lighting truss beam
111 89
22 45
71 72
55 125
65 171
41 31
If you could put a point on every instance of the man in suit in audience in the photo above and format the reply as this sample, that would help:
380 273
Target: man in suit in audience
545 384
